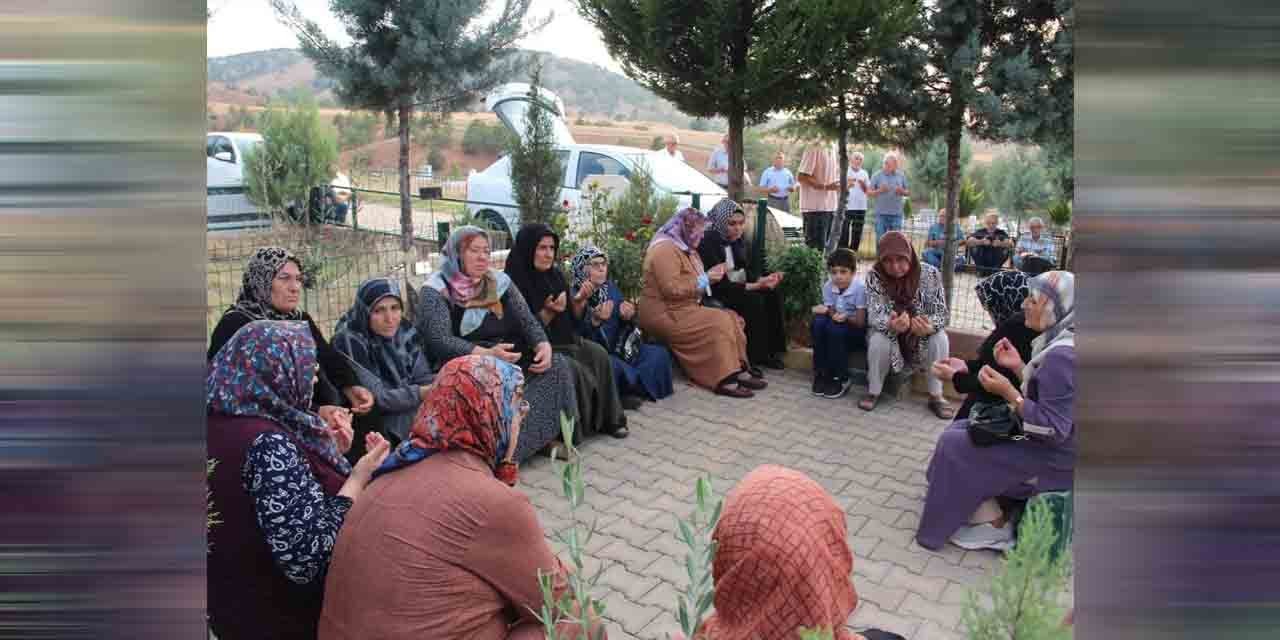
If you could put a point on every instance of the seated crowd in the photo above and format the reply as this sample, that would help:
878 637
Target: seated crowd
367 488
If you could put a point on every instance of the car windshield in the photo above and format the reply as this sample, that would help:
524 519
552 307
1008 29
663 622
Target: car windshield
674 176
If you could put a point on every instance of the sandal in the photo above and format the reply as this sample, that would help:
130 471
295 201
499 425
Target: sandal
753 383
868 402
941 408
754 371
723 389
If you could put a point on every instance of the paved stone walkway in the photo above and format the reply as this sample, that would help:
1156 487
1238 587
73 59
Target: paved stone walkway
873 463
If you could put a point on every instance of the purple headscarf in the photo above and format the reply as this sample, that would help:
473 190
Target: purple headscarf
674 230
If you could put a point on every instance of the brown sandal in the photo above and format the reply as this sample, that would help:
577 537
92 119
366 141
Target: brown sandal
942 409
868 402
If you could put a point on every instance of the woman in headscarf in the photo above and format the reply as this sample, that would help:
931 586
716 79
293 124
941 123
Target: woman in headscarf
757 302
965 479
1001 294
388 358
782 561
272 290
532 266
442 545
709 343
281 486
639 369
906 319
466 308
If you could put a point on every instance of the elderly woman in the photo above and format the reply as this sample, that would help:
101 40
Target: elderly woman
965 479
1035 250
906 319
709 343
1001 294
442 545
387 356
532 267
782 561
757 302
272 290
639 369
466 308
281 486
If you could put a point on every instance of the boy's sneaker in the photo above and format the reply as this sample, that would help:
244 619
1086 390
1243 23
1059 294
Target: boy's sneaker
819 385
838 388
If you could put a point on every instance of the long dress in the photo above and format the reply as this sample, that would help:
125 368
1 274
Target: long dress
708 343
761 310
651 373
549 393
961 476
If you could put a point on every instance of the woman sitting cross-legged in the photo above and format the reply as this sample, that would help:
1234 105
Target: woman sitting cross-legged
281 487
1001 294
532 266
906 319
964 479
639 369
757 302
708 343
442 545
272 290
466 308
388 359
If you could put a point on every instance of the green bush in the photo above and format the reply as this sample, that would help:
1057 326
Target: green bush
623 227
1060 213
970 199
805 271
656 143
298 152
480 137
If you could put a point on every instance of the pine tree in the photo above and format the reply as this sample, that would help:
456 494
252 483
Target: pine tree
536 172
410 55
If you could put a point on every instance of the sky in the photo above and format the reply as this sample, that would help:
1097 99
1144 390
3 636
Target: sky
241 26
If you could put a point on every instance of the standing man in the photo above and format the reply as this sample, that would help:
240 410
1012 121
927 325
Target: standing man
819 184
856 209
718 165
777 183
889 188
673 147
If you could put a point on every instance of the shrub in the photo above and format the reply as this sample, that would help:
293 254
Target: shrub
656 143
805 270
970 199
1060 213
623 227
298 152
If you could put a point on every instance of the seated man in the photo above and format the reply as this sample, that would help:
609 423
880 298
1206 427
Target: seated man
1035 245
989 246
936 244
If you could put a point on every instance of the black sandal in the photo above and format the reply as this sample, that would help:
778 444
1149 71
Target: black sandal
754 371
753 383
740 391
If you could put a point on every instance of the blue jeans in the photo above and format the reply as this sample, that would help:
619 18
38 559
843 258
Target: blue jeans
885 224
933 257
832 344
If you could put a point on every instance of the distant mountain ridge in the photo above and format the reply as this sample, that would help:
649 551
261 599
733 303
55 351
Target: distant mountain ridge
588 90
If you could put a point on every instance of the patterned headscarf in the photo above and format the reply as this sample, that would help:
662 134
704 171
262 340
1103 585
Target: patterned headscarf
1002 293
394 358
782 559
268 369
469 407
902 291
582 273
254 299
674 232
720 215
479 296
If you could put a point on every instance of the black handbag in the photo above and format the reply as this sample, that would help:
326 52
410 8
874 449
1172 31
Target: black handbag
993 423
712 303
629 344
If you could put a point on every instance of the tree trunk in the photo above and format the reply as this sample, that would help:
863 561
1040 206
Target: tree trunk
736 127
837 216
406 201
955 129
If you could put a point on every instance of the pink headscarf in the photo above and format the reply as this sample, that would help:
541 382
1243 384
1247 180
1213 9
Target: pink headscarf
674 230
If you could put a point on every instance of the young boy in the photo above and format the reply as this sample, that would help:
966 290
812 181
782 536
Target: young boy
839 325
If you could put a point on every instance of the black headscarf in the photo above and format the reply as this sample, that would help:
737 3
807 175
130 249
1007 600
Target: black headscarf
536 286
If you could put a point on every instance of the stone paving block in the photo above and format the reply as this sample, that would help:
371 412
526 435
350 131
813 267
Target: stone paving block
861 546
632 617
668 545
867 569
635 535
956 593
930 588
898 501
670 570
918 607
600 541
664 627
899 556
626 583
981 560
909 520
868 615
642 516
884 531
887 598
662 596
877 513
908 490
939 568
636 559
931 630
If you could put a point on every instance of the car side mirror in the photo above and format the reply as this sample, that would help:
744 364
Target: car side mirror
224 156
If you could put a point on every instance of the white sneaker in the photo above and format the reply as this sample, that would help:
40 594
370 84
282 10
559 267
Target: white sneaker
984 536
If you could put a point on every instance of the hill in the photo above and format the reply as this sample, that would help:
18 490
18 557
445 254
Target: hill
588 90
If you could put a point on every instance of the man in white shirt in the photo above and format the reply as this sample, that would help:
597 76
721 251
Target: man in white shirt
718 165
856 209
673 147
777 183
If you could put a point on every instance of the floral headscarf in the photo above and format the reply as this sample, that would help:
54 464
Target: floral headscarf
674 232
267 369
782 559
478 296
254 299
582 273
469 407
1002 293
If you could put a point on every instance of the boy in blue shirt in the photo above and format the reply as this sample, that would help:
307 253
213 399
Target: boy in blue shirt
839 325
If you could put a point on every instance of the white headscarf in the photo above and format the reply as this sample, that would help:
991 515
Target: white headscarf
1059 287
